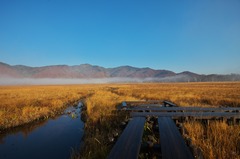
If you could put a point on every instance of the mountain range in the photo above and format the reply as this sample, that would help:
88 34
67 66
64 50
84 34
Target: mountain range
87 71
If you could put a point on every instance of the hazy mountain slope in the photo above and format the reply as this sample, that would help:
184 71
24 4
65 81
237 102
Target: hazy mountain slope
88 71
9 71
128 71
80 71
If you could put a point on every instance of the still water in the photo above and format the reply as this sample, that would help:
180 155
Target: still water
54 138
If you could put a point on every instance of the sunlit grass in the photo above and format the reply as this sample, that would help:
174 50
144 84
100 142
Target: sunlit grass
23 104
186 94
217 140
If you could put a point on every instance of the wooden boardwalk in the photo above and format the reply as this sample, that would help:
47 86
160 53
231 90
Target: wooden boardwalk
129 143
155 108
172 144
137 103
194 115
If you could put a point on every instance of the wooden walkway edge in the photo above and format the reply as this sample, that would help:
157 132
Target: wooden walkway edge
172 143
155 108
196 115
129 143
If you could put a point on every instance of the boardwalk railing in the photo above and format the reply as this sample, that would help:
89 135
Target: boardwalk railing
173 145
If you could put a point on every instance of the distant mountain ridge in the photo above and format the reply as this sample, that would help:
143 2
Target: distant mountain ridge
84 71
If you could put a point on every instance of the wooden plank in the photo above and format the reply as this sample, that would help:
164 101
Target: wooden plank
136 103
139 108
197 115
172 143
145 101
149 105
169 103
129 143
167 109
124 104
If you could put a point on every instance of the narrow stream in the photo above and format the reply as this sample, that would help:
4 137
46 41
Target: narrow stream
53 138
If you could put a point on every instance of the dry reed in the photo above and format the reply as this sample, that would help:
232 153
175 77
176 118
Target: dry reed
23 104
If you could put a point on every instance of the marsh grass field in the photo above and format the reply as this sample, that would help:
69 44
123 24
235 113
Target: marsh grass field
24 104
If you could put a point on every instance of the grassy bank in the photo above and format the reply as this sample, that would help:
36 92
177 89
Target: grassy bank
23 104
102 123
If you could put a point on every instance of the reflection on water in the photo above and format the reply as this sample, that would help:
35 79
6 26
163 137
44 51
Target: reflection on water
54 138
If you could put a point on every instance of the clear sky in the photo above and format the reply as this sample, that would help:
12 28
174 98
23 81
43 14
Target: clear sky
202 36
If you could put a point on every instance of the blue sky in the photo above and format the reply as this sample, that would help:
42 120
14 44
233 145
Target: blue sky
202 36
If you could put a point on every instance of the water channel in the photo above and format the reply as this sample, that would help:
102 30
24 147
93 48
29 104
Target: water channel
53 138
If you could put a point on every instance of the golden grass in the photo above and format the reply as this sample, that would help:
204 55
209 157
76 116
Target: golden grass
185 94
24 104
103 102
218 140
101 123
